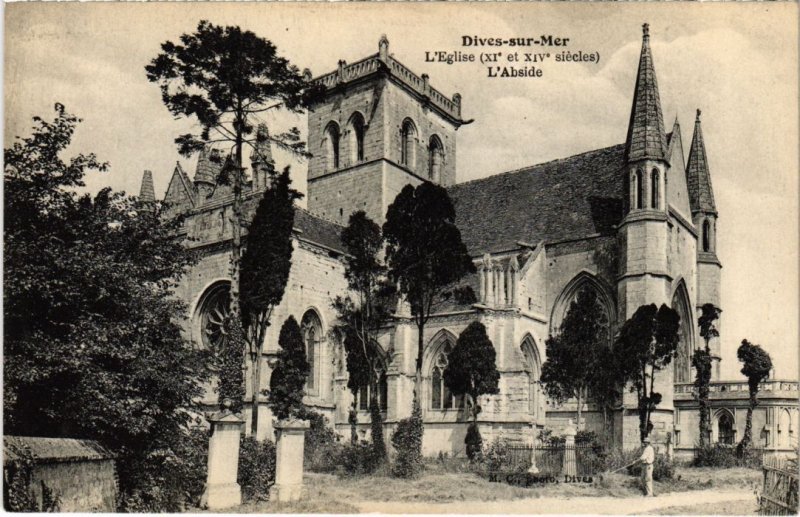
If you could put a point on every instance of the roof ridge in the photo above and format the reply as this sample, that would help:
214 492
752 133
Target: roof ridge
542 164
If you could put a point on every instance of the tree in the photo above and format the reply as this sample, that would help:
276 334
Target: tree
265 269
424 253
756 365
225 77
287 383
360 319
702 363
575 354
646 344
471 368
92 338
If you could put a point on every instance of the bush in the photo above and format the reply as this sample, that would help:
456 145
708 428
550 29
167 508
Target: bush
407 441
256 468
357 460
474 442
498 458
321 447
726 456
170 477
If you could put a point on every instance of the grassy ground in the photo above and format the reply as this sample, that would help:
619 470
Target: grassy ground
729 508
328 493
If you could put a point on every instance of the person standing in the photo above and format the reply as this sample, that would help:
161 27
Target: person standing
647 459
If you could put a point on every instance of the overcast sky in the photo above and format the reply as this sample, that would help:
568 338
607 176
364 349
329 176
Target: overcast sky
736 62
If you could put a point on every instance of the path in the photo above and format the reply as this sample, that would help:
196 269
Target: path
576 505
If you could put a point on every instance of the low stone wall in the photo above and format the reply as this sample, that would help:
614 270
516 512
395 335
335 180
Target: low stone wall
80 473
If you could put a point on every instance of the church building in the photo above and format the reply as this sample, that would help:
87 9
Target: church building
635 222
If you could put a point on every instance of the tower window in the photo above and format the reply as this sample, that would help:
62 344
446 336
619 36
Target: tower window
706 236
408 137
639 189
435 159
332 145
654 178
357 137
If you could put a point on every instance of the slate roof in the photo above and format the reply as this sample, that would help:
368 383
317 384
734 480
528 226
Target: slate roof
569 198
147 193
698 178
317 230
646 138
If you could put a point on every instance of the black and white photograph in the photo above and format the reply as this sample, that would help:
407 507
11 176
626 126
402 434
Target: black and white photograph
401 258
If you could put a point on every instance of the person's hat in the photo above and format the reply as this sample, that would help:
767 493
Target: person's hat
646 440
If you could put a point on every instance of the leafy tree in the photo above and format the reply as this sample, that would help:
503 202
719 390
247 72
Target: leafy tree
756 365
471 368
575 354
265 269
92 338
287 383
646 344
424 253
361 318
605 386
702 363
225 78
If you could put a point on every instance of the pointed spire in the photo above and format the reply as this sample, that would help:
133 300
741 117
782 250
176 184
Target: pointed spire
262 151
698 178
646 137
206 171
147 193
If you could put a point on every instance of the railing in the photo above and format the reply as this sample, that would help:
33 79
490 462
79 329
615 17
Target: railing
739 386
779 492
550 459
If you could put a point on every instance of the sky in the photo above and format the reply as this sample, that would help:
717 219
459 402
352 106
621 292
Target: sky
735 61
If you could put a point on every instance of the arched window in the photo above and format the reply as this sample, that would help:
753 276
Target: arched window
435 159
365 391
312 337
332 145
682 371
654 179
408 138
441 396
726 433
706 235
532 367
357 138
581 282
213 316
639 189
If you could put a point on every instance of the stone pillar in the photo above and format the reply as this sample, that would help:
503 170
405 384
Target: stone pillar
290 439
222 490
533 469
570 467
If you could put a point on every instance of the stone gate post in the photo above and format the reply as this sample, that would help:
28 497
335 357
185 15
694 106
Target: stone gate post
290 441
222 490
570 467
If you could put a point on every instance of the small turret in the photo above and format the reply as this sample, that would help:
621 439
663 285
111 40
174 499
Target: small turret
261 158
205 176
147 193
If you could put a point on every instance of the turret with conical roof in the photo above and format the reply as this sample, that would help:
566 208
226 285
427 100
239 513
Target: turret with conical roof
704 217
147 193
261 158
205 176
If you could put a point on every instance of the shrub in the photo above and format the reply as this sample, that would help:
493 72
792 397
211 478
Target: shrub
357 460
407 441
321 447
726 456
256 468
474 442
498 458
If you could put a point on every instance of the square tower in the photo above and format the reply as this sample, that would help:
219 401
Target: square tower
377 128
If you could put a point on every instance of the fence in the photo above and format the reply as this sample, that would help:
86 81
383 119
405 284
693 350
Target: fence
550 459
779 493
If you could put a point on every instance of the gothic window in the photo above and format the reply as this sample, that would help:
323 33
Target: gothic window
441 396
214 311
706 236
682 372
654 202
570 294
533 370
726 432
332 145
365 391
408 137
435 159
639 189
312 337
357 138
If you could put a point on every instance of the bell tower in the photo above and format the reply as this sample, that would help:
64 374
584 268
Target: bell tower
378 127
